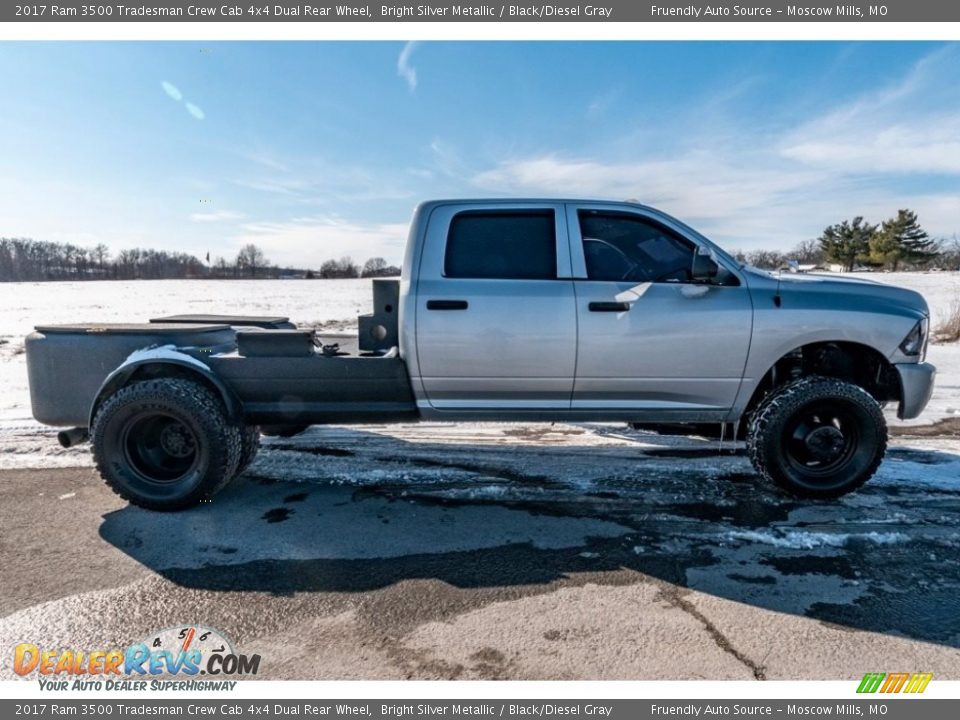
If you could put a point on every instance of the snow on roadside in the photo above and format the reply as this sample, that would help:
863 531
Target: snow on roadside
805 540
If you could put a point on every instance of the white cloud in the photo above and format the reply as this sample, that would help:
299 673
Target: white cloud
316 182
870 142
404 69
216 216
307 242
752 188
279 186
910 126
265 159
446 159
754 203
707 185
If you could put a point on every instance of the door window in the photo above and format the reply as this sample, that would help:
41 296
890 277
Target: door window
510 245
625 247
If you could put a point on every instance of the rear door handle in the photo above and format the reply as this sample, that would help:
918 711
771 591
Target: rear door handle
446 304
609 307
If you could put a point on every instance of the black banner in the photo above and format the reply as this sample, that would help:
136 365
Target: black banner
244 709
479 11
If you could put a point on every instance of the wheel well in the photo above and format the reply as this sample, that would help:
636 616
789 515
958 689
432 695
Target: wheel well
849 361
156 370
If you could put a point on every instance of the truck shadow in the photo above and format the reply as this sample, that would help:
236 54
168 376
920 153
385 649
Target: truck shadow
350 511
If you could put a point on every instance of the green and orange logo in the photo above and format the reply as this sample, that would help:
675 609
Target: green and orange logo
895 682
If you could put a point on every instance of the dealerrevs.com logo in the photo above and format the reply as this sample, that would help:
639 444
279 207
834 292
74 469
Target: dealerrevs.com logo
188 650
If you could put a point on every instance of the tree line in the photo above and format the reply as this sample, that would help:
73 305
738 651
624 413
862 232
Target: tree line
895 244
25 260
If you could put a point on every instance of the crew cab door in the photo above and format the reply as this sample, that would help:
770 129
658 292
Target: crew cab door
495 309
650 339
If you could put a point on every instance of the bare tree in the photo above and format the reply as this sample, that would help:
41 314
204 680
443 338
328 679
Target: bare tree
948 254
808 252
373 267
101 254
250 259
378 267
345 267
767 259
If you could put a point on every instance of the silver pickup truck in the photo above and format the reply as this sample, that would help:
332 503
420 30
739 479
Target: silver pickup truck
531 310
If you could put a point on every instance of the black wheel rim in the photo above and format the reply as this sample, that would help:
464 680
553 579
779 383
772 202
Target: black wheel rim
822 439
160 448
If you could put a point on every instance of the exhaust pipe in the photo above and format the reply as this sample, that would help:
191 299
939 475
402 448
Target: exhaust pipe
74 436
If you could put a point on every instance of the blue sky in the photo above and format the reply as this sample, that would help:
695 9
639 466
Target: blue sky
318 149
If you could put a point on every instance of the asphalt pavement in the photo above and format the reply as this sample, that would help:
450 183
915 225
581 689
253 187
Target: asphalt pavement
348 554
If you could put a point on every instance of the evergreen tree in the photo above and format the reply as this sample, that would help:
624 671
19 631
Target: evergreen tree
847 242
901 239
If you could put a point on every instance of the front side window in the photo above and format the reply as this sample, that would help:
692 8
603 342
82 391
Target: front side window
624 247
510 245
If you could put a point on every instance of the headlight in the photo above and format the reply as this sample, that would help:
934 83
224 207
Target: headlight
915 343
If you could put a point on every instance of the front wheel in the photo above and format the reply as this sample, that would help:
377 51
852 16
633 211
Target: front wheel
817 437
165 444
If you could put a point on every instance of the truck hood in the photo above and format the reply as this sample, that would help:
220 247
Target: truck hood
865 294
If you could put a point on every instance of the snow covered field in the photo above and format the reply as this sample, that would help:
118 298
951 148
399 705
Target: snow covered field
331 304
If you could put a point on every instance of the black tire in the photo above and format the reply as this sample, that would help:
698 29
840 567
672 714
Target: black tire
165 444
249 446
283 430
817 437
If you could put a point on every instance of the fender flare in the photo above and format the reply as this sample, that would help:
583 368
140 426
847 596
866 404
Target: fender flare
166 355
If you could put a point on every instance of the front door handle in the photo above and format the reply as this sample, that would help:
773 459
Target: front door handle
446 304
609 307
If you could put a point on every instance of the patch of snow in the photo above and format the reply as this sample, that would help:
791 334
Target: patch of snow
803 540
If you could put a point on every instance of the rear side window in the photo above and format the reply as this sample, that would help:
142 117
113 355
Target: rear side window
509 245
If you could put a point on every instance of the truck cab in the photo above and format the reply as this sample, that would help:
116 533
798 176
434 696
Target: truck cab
574 310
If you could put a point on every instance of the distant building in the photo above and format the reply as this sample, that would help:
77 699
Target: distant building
838 268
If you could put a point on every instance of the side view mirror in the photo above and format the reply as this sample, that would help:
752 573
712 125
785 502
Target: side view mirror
704 268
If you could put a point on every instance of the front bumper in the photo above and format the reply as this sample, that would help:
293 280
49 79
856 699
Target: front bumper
916 387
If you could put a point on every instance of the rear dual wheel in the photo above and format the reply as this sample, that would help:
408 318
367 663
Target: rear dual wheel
167 444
